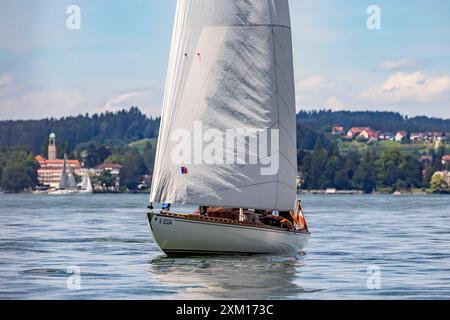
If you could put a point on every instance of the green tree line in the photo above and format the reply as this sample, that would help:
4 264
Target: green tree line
377 120
118 128
18 169
105 138
326 167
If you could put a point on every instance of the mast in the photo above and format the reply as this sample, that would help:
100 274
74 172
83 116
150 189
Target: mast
230 69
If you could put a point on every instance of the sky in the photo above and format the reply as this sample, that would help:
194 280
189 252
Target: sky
118 58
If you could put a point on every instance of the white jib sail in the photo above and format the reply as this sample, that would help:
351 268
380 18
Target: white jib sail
230 69
72 181
63 181
89 187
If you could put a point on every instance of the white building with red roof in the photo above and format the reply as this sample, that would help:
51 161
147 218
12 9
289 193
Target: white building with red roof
49 172
356 131
446 159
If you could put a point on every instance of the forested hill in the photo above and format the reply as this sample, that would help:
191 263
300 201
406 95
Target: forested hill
383 121
121 128
108 128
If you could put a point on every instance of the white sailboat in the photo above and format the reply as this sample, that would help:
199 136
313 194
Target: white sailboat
230 69
68 183
86 184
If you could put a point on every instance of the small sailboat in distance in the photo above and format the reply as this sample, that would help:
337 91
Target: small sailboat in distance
67 183
86 184
227 142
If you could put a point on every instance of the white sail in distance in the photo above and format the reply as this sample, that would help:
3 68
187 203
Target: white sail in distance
72 181
230 68
88 187
63 181
86 183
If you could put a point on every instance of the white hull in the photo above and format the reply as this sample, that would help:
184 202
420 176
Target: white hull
62 192
178 235
85 192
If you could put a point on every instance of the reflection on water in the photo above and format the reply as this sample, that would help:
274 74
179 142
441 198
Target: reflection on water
248 277
42 239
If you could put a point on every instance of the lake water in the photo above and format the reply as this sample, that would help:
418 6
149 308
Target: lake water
404 242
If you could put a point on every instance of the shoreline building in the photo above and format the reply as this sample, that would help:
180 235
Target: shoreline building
52 147
49 172
114 169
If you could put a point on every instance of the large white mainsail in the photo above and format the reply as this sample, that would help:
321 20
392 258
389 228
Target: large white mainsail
230 68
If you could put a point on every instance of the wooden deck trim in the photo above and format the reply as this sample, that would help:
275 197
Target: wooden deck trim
194 217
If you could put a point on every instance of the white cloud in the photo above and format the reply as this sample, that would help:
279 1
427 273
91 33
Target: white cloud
401 64
313 82
147 99
43 103
5 80
118 102
417 87
319 92
413 93
334 103
17 103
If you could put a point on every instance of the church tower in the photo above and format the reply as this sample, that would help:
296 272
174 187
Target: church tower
52 147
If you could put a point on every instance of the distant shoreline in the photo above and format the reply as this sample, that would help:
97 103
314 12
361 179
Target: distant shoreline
333 192
299 192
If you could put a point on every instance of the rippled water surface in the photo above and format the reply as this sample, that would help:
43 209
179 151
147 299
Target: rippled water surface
42 238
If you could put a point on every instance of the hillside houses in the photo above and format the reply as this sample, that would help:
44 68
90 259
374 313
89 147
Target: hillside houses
369 134
387 136
429 136
355 132
401 135
446 159
338 130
